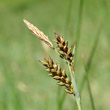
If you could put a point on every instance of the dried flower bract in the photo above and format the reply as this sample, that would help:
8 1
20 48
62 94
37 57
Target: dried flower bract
39 33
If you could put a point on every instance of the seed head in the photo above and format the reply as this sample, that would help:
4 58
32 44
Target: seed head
57 73
62 47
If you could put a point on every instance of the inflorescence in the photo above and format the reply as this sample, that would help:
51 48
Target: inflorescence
57 73
64 52
62 47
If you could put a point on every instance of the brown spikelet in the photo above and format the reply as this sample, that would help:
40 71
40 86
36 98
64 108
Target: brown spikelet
38 33
62 47
57 73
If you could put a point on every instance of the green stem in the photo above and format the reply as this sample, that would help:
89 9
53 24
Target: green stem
68 16
79 25
88 84
77 95
58 97
61 101
90 94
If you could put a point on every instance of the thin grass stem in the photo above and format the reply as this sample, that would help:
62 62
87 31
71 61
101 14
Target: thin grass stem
90 94
103 22
78 33
77 95
88 85
61 101
68 15
91 56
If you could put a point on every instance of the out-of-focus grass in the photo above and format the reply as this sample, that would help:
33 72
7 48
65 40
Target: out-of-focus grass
23 83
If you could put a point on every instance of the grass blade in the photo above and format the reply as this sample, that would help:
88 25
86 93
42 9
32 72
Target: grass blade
68 16
61 101
103 22
78 33
77 94
88 85
90 94
91 56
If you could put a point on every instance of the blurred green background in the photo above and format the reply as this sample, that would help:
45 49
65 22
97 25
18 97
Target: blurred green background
24 84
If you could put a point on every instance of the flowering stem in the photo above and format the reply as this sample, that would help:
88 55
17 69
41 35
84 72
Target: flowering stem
77 95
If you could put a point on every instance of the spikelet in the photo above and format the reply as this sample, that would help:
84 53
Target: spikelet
62 47
39 33
57 73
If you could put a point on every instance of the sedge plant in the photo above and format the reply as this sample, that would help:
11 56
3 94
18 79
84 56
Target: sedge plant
55 70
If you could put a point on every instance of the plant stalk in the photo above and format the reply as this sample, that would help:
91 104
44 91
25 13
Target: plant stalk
78 33
77 94
88 84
